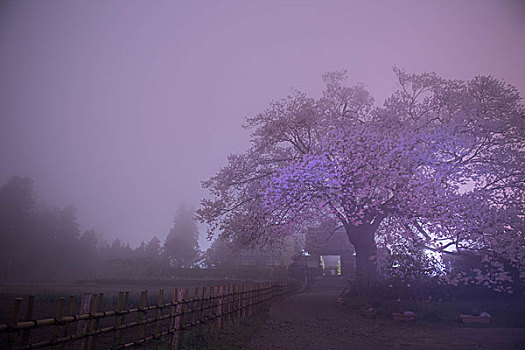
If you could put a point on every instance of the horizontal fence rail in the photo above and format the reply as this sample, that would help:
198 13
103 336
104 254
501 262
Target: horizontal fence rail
183 320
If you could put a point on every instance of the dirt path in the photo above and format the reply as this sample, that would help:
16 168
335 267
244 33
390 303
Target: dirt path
314 321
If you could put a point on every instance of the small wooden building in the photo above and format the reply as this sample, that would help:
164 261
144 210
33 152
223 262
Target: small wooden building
334 254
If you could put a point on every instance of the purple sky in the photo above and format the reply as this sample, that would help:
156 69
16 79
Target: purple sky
121 108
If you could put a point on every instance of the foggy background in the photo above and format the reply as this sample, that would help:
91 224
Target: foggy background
122 108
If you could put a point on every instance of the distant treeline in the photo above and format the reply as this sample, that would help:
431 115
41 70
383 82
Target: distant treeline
41 242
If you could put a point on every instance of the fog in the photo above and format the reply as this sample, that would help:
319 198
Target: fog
122 108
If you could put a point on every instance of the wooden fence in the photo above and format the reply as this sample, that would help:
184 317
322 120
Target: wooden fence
183 320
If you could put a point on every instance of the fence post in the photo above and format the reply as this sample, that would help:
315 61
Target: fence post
29 316
264 296
100 306
177 299
13 323
258 291
183 318
194 316
70 311
118 318
244 300
173 310
248 299
219 306
234 303
125 306
229 304
259 297
142 314
85 303
160 299
238 301
202 313
212 307
91 322
254 299
249 309
60 313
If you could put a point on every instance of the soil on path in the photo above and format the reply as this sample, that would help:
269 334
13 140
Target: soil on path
314 320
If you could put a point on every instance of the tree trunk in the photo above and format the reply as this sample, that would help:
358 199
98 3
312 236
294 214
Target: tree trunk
366 267
363 239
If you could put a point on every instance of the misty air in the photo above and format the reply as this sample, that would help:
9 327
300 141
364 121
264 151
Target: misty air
262 175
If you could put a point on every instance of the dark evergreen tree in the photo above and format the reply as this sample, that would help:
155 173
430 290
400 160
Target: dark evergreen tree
181 246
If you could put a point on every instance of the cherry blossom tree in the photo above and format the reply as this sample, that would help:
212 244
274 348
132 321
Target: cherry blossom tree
439 164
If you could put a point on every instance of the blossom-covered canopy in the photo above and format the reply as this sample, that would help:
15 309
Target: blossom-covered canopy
440 164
